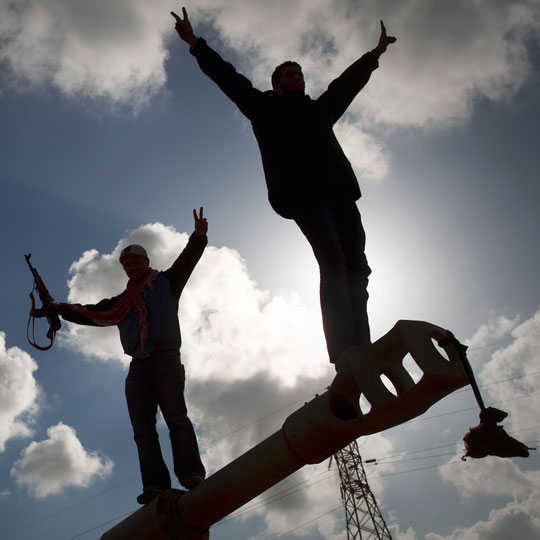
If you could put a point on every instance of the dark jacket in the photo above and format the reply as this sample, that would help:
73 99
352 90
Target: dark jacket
302 159
161 304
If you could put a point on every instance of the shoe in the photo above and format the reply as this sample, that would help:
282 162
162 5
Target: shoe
192 480
148 494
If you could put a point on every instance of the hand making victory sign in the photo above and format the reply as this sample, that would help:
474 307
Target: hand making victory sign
184 28
201 223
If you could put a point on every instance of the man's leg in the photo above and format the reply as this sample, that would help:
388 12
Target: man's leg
319 227
142 406
171 380
353 242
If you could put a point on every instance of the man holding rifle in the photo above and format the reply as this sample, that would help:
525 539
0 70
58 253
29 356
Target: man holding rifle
146 314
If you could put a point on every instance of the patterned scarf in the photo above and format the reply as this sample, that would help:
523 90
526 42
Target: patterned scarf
131 300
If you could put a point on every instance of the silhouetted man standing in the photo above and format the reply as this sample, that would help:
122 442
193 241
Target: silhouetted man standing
146 314
309 178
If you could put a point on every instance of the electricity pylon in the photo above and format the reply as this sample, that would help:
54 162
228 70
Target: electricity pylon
362 514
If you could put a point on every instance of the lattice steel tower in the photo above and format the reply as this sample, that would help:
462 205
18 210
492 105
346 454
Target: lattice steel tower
364 519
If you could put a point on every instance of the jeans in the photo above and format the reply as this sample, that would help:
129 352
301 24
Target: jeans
155 380
334 230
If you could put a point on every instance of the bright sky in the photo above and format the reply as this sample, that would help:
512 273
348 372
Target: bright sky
110 134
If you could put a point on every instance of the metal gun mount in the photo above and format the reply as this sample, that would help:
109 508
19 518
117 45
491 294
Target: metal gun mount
314 432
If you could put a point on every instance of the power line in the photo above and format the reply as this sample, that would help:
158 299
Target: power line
67 508
278 496
284 493
281 409
462 390
443 446
269 500
311 395
98 526
274 498
307 523
338 507
501 342
255 507
136 477
500 382
371 478
530 394
287 492
259 419
259 503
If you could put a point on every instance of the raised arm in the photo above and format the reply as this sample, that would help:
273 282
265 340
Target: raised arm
179 272
344 89
233 84
184 28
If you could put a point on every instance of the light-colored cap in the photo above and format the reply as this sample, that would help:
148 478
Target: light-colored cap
134 249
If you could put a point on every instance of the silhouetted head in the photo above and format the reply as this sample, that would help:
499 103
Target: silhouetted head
288 77
135 262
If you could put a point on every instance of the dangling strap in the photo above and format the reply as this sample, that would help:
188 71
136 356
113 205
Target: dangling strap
51 333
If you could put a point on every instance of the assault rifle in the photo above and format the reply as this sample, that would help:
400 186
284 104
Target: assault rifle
46 309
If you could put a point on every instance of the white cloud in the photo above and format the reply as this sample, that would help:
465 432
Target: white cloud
509 374
252 358
319 494
220 413
514 364
220 409
397 534
113 50
228 427
491 475
520 519
18 392
445 58
231 328
245 345
307 494
47 467
365 153
497 328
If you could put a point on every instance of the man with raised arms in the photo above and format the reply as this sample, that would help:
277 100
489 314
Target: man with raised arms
308 176
146 314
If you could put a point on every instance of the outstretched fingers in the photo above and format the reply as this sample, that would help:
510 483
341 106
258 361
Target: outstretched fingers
201 223
179 19
200 216
184 28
